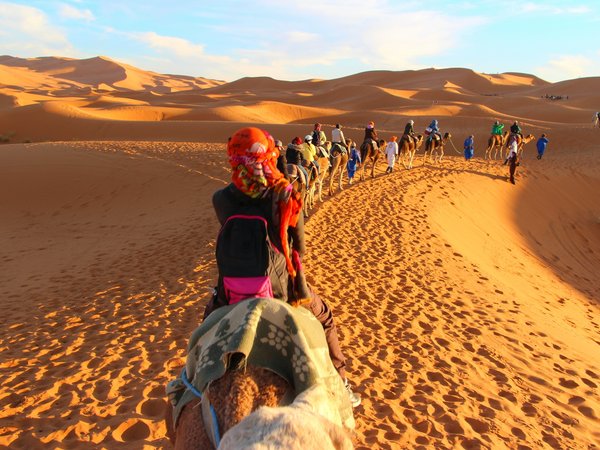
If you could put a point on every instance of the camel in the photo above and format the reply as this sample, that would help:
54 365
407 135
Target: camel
305 424
245 380
309 199
520 143
299 183
339 160
324 169
526 140
369 153
434 147
496 142
408 149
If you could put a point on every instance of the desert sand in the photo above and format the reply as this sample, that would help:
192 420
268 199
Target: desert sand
468 308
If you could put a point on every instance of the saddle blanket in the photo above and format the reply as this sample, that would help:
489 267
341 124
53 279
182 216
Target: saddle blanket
266 333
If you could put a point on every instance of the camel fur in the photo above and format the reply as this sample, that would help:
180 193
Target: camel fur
324 171
435 148
339 160
408 149
496 143
307 424
369 153
234 396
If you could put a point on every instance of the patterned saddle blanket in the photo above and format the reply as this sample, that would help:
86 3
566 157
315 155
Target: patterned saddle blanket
266 333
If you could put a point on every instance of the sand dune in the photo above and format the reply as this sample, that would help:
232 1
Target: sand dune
468 307
102 87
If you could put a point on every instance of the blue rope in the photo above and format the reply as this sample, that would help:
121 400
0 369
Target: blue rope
198 394
189 385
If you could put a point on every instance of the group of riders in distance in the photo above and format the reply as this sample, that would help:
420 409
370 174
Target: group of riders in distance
307 161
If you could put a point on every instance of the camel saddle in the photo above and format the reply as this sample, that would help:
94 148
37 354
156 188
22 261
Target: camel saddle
261 332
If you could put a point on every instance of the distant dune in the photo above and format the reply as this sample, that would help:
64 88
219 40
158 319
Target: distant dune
101 89
468 307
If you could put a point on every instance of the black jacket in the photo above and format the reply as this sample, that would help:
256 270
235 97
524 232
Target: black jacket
293 154
370 133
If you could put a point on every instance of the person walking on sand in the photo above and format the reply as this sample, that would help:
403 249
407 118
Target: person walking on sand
541 144
469 147
513 159
353 162
257 186
391 152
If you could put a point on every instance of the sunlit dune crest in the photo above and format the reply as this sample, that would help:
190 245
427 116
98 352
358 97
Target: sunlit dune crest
468 307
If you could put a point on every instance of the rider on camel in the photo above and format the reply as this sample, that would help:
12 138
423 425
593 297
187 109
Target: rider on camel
371 135
497 128
337 136
309 152
409 131
293 154
515 130
434 131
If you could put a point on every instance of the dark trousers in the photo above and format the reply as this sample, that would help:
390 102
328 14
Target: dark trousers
324 315
512 161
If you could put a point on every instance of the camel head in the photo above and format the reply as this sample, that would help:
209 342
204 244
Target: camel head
419 141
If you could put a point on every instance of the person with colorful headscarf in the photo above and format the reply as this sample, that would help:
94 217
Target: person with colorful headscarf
256 181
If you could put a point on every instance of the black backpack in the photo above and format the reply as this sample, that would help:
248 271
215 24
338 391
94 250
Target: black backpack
249 264
316 138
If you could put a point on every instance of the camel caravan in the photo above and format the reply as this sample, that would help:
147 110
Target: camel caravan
263 369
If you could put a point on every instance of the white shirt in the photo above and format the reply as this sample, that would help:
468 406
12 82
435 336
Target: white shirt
391 149
337 135
513 147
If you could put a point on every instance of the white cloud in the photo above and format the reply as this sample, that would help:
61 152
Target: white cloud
566 67
178 46
70 12
26 31
319 37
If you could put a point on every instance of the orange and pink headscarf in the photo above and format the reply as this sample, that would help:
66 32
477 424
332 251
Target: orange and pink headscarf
253 158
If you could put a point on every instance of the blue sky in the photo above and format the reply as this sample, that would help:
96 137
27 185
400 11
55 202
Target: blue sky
300 39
